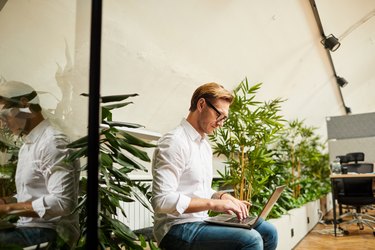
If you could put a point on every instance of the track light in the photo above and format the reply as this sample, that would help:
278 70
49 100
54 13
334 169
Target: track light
331 42
341 81
348 110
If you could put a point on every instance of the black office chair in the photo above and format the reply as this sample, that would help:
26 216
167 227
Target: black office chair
357 193
339 185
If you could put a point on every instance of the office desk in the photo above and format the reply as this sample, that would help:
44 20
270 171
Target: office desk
334 177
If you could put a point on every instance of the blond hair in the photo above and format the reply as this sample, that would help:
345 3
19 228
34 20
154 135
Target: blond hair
210 91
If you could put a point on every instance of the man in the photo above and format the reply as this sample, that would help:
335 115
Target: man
182 176
47 186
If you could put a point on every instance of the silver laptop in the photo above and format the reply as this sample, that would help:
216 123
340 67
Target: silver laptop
6 225
249 222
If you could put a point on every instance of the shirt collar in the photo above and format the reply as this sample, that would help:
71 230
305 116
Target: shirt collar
36 132
190 130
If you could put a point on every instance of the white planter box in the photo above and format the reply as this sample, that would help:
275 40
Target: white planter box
313 214
282 225
297 223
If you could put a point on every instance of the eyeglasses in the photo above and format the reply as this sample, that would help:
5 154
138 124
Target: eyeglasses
220 117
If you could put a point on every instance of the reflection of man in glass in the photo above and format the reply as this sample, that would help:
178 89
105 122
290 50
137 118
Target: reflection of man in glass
47 186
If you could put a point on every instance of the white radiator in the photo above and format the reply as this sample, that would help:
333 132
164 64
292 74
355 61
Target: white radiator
137 215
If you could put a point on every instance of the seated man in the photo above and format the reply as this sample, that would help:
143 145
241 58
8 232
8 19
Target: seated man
182 176
47 186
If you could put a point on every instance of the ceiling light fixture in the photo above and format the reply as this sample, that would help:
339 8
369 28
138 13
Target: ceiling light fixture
331 42
348 110
341 81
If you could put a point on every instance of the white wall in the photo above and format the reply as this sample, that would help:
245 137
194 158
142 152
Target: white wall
45 44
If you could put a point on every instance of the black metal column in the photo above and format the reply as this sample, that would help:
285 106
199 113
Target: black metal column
92 240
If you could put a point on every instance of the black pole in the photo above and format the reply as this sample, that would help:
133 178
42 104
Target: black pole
92 240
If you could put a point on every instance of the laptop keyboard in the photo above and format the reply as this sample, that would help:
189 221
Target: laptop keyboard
247 220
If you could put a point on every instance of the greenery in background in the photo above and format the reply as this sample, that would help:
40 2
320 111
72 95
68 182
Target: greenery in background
300 151
9 147
119 156
263 150
245 139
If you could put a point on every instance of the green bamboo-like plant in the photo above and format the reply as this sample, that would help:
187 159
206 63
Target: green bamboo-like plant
301 150
120 154
244 140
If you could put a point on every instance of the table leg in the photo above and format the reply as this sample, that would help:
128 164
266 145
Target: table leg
334 205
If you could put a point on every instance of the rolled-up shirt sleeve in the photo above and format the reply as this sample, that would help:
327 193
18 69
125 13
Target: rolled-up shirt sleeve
168 166
60 180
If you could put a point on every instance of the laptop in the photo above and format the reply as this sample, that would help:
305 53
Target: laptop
249 222
5 224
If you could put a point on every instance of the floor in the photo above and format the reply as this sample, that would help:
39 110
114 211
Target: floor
322 237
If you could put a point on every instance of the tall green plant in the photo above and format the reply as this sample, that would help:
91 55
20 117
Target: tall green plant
302 151
120 153
244 140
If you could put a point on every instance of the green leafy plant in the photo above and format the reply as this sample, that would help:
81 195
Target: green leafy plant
120 153
301 151
245 139
9 147
263 150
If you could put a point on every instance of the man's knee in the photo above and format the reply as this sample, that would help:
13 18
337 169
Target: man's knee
251 240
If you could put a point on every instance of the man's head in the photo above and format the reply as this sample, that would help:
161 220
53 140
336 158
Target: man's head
19 104
209 107
17 94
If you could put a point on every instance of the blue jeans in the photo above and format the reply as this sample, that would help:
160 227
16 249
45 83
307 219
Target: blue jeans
204 236
26 236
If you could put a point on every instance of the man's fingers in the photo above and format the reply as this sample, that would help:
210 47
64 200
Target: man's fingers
247 203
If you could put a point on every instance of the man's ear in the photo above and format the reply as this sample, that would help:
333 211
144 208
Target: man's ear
200 104
24 102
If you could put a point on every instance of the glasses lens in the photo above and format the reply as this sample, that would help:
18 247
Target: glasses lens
219 116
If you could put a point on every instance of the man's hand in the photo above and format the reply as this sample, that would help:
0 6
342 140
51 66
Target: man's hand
21 209
4 209
229 204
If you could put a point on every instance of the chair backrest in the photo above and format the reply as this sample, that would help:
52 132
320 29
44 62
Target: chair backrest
361 187
355 157
358 187
361 168
352 190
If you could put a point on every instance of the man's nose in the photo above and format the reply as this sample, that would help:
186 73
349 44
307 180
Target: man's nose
220 123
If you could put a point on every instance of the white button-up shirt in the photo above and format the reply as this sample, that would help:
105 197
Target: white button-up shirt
181 169
51 184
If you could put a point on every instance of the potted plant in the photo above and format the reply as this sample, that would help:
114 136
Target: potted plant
245 140
120 154
300 149
263 150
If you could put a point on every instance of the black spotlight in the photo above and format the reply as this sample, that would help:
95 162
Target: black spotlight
331 42
348 110
341 81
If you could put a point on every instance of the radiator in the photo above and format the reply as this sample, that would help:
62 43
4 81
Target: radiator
137 215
